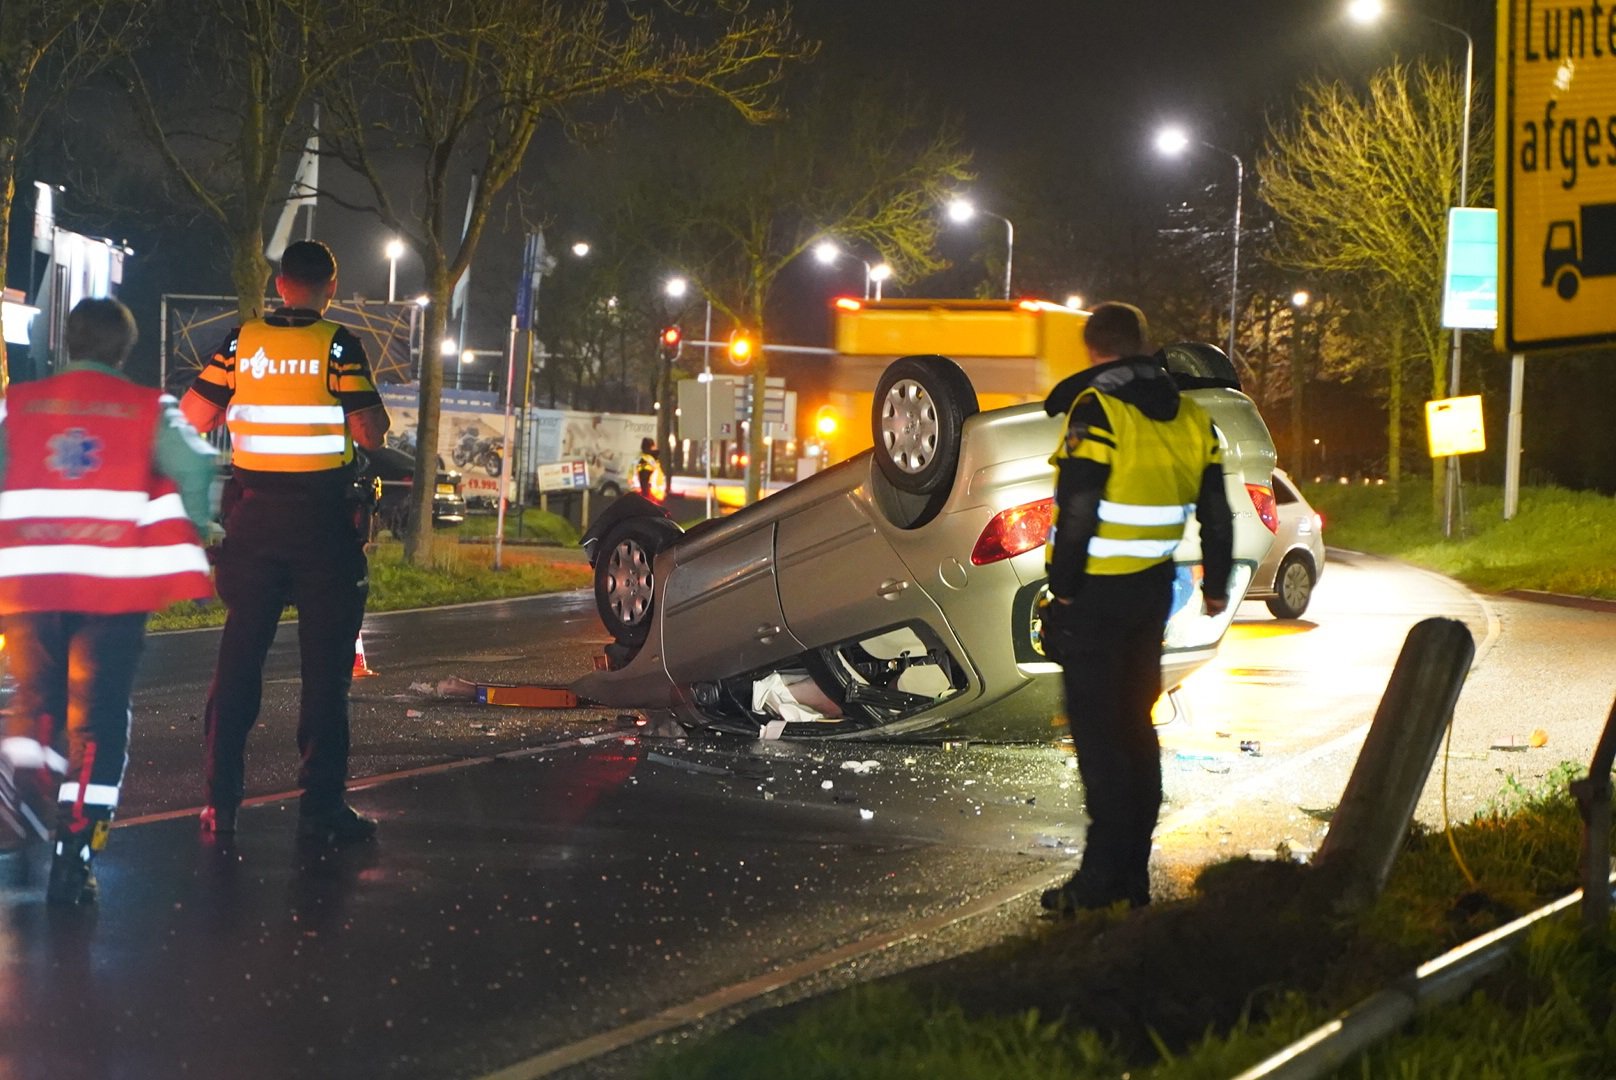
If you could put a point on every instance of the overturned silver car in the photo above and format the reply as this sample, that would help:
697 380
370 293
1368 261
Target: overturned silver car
895 592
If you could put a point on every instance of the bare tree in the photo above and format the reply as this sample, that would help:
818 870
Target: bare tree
228 111
463 86
1362 184
746 203
46 48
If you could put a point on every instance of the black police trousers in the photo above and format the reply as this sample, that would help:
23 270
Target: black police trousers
1109 644
284 546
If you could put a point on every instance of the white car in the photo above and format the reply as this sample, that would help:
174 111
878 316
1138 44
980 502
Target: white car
1285 579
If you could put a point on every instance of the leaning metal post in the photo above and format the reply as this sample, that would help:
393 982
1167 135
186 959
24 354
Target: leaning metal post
1370 825
1592 793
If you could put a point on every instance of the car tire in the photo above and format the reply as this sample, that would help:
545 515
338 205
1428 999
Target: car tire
610 490
1293 587
624 576
921 403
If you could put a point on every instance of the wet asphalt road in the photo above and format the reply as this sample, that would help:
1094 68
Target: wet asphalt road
554 877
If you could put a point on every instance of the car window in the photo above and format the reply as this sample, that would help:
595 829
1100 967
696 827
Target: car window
1195 365
1283 492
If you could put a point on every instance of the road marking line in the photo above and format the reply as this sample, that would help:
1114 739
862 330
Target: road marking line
682 1015
378 779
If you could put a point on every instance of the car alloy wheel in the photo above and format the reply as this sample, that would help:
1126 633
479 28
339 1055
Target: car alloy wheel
909 426
628 571
921 402
625 579
1293 588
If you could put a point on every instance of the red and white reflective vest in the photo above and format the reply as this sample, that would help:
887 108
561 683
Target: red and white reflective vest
86 522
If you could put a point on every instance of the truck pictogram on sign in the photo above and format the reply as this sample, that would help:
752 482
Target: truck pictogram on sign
1572 253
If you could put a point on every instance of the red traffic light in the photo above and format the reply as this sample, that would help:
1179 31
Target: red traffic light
671 336
668 343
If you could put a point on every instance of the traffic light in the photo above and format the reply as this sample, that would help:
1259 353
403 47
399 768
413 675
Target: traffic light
669 343
741 348
827 422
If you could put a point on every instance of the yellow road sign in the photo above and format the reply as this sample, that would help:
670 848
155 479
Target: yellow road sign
1453 426
1557 173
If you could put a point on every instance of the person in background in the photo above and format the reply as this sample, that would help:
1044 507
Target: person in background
295 391
1135 460
653 483
103 504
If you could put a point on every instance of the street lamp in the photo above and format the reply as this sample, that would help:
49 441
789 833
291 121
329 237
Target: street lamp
1299 300
827 253
1075 302
395 251
581 248
876 275
1173 141
961 210
676 288
1366 12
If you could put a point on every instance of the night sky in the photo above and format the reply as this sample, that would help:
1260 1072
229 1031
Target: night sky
1054 85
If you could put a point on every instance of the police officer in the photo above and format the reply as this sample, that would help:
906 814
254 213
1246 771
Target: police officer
295 391
653 483
105 490
1135 460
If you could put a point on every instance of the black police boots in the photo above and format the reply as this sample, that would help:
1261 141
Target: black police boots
344 825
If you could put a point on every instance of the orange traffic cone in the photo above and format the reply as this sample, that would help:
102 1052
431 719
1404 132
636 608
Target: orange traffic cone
360 668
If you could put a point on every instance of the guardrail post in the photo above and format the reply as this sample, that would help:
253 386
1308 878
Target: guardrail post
1592 793
1371 823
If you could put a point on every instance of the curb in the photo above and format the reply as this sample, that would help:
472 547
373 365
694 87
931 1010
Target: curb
1588 603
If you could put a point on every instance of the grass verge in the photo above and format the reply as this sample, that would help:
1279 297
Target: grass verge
1559 541
1208 986
459 573
529 525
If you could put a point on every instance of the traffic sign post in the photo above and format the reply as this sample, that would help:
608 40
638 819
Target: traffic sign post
1557 174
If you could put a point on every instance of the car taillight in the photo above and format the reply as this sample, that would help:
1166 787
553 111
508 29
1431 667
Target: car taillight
1013 531
1262 497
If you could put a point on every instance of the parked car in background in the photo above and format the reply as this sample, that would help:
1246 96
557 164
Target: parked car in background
396 471
1285 579
897 591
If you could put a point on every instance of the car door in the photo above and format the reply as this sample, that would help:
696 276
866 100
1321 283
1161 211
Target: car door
839 577
721 609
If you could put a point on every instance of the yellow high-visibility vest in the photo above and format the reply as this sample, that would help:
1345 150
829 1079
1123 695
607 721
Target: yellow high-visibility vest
284 415
1155 478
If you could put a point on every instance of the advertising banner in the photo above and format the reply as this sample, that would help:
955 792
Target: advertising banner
470 436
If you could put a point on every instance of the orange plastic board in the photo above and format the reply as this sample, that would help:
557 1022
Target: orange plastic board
527 697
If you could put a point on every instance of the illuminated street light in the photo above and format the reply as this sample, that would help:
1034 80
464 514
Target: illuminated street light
1075 302
423 300
826 253
581 248
1173 141
448 346
676 288
1299 298
1370 11
876 275
961 210
395 251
